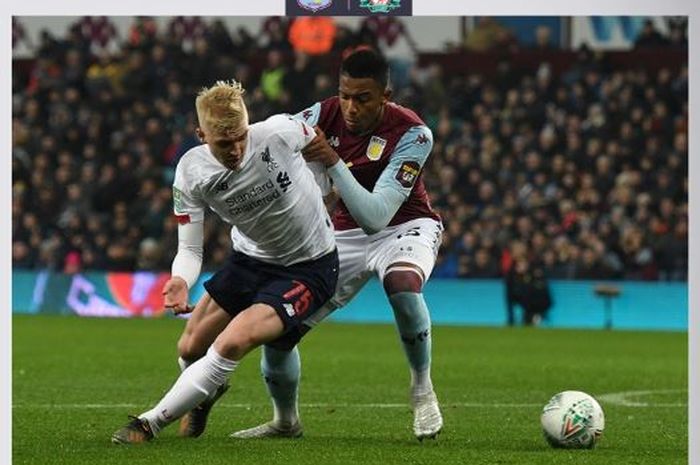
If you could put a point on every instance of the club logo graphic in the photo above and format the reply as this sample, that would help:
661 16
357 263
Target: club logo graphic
314 5
375 148
380 6
267 158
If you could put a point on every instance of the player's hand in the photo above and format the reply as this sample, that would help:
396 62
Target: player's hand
320 150
176 294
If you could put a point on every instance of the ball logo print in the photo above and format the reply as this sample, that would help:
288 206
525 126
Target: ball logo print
572 420
314 5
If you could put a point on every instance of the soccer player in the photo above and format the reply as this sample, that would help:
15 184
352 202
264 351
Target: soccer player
374 151
284 264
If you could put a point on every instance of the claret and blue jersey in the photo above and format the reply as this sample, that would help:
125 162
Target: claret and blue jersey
392 155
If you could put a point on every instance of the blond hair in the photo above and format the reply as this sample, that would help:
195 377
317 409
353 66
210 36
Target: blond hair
220 108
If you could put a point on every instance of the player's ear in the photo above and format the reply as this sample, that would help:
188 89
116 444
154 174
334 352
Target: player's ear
387 95
200 134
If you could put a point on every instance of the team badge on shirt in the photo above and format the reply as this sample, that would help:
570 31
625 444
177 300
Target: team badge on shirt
375 148
408 173
314 5
267 158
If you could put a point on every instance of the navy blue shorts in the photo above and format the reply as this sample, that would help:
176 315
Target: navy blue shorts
295 292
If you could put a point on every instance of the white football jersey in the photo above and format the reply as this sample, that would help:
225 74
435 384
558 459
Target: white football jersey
272 200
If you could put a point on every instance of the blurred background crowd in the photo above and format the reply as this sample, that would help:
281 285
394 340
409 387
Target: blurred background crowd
579 170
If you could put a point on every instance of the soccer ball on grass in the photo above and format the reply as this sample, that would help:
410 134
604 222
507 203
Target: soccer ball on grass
572 420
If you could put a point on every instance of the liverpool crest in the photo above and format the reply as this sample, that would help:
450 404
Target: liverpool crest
380 6
314 5
375 148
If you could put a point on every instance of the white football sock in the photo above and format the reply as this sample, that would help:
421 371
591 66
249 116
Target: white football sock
199 381
183 363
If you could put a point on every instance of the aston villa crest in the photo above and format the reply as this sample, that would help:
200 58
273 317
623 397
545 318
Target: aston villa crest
314 5
380 6
375 148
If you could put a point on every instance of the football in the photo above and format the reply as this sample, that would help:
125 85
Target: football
572 420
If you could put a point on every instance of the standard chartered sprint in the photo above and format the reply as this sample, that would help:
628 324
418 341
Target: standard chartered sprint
258 196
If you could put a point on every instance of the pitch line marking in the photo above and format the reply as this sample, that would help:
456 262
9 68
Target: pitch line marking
627 398
623 399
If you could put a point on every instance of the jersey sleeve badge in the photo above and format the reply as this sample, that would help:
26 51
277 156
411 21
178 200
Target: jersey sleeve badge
408 173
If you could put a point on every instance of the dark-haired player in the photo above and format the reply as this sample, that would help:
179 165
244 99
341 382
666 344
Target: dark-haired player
374 151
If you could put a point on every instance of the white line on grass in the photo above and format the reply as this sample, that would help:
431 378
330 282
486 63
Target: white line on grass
623 399
630 398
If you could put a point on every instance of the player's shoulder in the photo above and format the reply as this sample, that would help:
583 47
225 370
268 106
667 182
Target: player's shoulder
197 163
278 120
403 124
404 116
277 127
330 103
196 156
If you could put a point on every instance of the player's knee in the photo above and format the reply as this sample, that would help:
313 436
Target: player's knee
189 348
236 346
397 281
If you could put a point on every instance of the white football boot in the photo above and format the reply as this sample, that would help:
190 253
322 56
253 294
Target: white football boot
270 430
427 419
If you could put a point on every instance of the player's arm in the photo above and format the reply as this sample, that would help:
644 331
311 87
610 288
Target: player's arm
374 210
186 267
187 263
310 116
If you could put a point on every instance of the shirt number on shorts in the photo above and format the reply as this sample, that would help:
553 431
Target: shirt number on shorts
301 296
411 232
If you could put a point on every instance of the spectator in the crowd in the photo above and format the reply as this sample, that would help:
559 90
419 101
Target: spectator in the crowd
488 34
543 38
142 33
650 37
274 34
313 35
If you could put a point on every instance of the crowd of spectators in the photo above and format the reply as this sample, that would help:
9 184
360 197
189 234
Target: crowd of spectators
582 174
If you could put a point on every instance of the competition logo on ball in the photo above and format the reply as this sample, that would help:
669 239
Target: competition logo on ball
314 5
573 420
380 6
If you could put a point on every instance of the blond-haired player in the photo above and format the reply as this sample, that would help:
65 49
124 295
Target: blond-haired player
284 264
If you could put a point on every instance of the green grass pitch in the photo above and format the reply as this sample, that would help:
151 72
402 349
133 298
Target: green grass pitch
76 379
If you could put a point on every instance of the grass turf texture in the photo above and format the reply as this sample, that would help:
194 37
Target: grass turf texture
76 379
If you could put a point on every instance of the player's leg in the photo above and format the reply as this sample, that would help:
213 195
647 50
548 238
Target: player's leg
252 327
281 366
281 369
206 322
406 260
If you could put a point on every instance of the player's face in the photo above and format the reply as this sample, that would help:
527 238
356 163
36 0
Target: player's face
361 103
228 148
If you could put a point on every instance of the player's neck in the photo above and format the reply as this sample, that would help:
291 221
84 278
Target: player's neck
375 124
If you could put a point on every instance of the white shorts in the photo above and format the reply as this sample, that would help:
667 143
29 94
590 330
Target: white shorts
362 256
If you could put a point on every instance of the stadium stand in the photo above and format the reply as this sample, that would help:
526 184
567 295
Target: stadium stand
582 157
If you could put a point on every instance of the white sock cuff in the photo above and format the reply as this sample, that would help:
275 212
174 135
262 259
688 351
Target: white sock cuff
220 361
183 363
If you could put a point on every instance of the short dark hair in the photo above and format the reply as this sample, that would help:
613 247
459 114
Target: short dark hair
366 63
